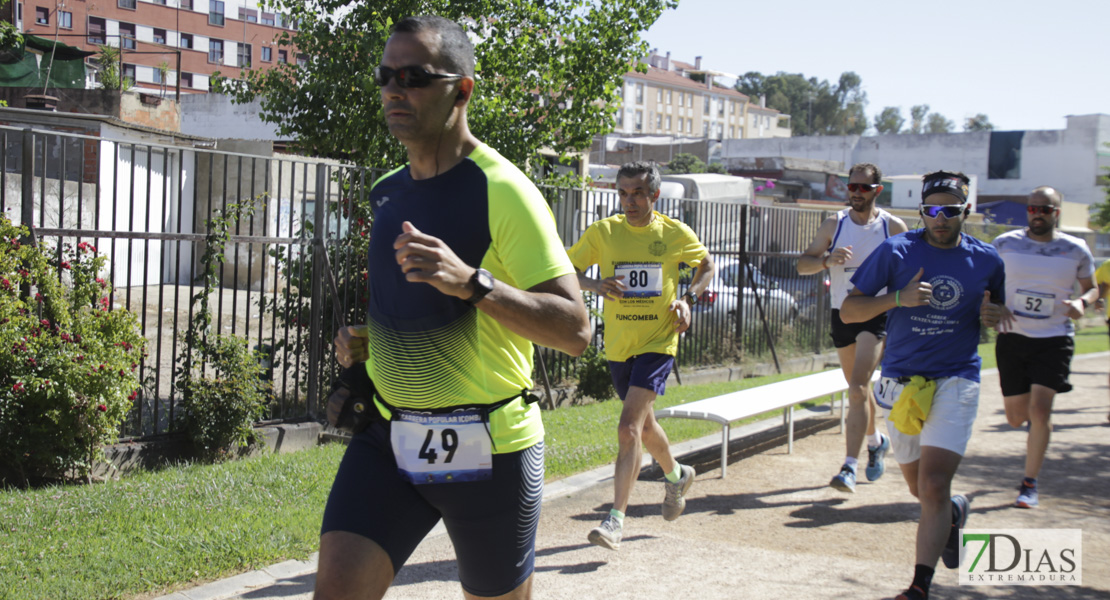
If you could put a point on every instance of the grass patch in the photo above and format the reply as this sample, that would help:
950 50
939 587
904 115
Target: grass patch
152 533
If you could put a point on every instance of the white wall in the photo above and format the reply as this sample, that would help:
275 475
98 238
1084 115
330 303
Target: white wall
1068 159
214 116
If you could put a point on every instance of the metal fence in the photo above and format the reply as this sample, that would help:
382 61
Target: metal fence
293 266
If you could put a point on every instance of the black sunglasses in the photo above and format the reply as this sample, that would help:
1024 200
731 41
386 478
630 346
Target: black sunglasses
862 187
409 77
950 211
1047 209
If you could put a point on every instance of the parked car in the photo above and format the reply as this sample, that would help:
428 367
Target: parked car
720 301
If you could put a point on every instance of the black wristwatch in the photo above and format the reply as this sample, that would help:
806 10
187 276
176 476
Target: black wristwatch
1085 303
483 284
690 298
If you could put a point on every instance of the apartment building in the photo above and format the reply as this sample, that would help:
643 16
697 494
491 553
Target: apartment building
228 36
679 99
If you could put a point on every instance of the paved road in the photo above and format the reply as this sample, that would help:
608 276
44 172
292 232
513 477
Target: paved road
774 530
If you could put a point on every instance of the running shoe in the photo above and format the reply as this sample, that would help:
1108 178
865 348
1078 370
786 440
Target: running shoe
876 464
606 535
1027 496
845 480
675 500
951 553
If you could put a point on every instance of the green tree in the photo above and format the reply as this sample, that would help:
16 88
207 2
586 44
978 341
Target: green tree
1100 211
684 163
937 123
979 122
549 72
890 121
816 107
917 118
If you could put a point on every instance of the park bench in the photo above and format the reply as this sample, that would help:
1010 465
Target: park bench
726 408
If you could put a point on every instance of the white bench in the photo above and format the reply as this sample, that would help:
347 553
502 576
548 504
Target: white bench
734 406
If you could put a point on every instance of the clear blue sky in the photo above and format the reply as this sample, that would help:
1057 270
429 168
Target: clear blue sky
1024 64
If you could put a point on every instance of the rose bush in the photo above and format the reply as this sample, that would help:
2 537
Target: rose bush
68 364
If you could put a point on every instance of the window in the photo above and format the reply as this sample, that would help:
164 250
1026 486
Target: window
658 121
215 12
283 56
1004 155
620 118
659 96
668 96
639 120
267 19
186 4
42 15
706 111
705 129
249 15
668 122
127 35
720 107
127 4
302 60
162 2
187 80
689 126
65 19
159 36
215 51
244 56
157 77
267 54
129 71
639 93
97 30
186 40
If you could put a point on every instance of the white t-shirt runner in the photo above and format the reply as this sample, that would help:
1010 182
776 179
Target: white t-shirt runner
863 239
1040 276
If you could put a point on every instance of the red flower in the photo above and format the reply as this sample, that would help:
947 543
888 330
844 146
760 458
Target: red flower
65 337
79 358
122 373
45 323
101 408
18 387
7 284
38 297
134 394
65 265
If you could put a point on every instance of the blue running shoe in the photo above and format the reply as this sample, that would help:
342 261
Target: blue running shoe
875 459
1027 496
845 480
951 553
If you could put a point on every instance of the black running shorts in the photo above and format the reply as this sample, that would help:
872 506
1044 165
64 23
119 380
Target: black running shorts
492 523
1023 361
844 334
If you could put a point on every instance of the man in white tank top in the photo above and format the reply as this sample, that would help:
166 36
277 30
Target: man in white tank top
841 244
1043 266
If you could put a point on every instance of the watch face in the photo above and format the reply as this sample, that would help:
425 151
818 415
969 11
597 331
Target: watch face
484 279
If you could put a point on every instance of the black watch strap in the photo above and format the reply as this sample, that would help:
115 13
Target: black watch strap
482 282
690 298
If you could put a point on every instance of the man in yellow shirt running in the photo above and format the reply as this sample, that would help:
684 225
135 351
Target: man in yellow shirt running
1102 279
639 253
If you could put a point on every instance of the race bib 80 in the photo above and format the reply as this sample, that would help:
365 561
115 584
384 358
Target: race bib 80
642 280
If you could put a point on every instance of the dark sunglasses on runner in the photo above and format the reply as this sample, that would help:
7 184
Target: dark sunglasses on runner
409 77
862 187
950 211
1047 209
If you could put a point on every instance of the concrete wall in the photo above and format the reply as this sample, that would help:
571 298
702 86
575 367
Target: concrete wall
215 116
1068 159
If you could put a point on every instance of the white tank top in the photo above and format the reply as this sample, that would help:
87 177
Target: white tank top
863 239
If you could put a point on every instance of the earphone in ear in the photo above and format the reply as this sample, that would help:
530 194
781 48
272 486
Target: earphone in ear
461 96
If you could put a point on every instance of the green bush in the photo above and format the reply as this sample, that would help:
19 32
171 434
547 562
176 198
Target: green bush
594 380
67 363
218 413
223 391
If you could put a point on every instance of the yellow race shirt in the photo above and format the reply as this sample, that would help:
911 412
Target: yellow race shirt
1102 276
648 259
